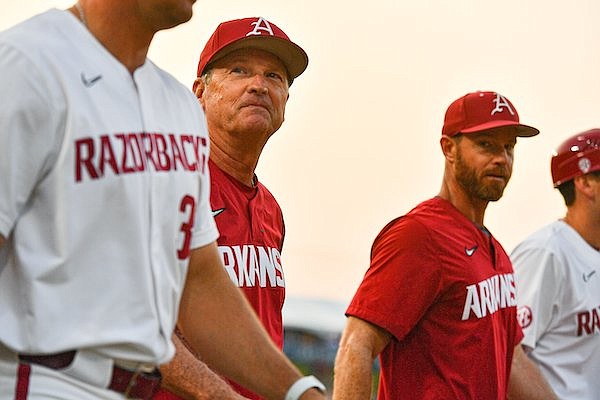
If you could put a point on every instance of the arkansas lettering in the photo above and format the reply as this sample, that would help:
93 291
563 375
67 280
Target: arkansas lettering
125 153
588 322
490 295
249 265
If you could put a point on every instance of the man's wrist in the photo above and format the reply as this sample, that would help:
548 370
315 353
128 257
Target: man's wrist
302 385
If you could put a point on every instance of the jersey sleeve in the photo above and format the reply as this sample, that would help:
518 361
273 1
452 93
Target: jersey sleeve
30 131
537 276
403 280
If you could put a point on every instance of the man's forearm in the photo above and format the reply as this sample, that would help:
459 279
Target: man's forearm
526 381
353 374
190 378
221 326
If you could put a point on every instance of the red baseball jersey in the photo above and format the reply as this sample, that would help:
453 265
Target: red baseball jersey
251 228
444 288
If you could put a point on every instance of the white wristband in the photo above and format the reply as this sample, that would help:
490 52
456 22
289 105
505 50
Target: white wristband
302 385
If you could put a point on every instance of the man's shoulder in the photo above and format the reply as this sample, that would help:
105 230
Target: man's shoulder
547 237
41 30
43 45
420 217
412 225
266 193
435 214
549 245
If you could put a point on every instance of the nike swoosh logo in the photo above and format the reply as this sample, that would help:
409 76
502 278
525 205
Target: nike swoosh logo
586 277
90 82
470 251
217 212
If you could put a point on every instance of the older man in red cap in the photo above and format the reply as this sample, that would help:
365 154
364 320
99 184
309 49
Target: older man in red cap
244 74
438 303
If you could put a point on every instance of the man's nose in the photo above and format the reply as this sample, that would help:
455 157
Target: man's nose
258 84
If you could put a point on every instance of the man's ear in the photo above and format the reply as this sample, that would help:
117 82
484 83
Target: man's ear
583 186
199 88
448 146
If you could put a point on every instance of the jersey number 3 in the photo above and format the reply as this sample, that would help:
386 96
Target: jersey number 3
187 206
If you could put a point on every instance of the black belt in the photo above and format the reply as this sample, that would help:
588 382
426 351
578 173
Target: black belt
133 384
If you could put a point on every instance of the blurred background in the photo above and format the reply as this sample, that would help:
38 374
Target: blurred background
360 144
312 330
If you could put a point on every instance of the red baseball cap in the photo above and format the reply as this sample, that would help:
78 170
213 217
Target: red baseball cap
480 111
255 33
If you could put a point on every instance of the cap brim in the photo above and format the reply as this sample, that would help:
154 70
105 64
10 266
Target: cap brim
522 130
293 57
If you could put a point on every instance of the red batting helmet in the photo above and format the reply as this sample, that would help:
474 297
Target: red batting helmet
578 155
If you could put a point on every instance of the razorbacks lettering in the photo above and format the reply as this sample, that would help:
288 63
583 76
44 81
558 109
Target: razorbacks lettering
588 322
249 265
124 153
490 295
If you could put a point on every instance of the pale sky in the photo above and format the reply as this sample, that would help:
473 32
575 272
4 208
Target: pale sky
360 145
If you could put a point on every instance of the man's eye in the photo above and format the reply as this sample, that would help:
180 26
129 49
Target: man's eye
275 75
237 70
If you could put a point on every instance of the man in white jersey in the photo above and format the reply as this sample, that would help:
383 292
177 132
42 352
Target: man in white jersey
104 201
557 273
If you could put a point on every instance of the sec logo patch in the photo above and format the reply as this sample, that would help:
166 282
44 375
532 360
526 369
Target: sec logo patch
524 316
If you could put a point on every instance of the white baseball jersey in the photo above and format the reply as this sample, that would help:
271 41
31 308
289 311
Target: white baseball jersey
102 174
558 292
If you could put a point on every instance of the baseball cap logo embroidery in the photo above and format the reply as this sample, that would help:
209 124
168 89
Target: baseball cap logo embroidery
261 25
501 104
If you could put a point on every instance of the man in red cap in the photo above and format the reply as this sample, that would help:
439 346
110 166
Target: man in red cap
244 75
557 271
438 303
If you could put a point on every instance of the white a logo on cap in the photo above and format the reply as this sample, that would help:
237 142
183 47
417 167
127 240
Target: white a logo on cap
501 103
261 25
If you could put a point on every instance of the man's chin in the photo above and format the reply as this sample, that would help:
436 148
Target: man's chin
493 195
